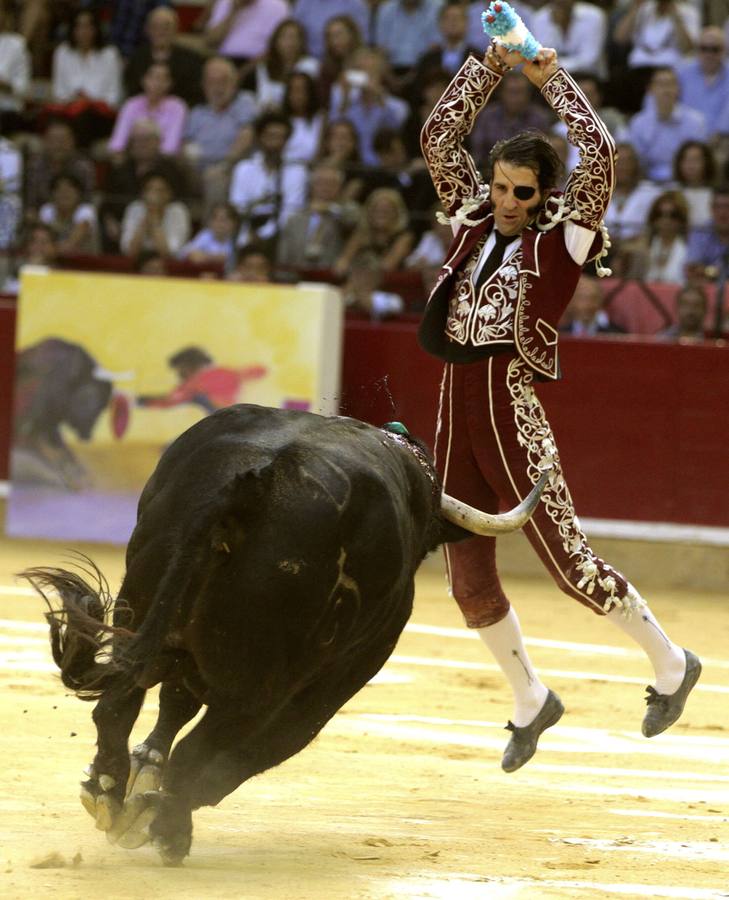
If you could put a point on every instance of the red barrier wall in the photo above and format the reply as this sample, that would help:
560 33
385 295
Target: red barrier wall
642 426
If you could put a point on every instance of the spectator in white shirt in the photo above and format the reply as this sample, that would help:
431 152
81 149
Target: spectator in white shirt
286 53
156 221
86 81
694 174
663 256
653 33
74 222
84 67
14 71
265 189
302 106
659 32
577 31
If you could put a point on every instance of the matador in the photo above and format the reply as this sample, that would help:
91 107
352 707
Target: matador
518 251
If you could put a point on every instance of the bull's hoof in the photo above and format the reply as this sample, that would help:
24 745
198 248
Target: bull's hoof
107 809
172 856
173 848
130 828
98 800
88 798
171 829
145 770
147 780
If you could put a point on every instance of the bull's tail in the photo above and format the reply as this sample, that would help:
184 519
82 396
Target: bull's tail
81 641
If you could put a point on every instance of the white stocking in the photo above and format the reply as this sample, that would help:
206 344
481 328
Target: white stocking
504 640
668 659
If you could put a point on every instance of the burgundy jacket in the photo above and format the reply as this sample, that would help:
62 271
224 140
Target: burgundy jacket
522 302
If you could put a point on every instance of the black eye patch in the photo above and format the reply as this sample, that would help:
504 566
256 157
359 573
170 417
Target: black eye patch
524 192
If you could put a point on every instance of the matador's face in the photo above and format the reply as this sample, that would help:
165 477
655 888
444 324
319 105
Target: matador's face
515 197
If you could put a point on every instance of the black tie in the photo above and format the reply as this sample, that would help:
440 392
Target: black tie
493 260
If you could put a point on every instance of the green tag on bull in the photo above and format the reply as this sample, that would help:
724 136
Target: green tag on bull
396 428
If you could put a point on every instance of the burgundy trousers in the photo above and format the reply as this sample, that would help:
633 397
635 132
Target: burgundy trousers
492 443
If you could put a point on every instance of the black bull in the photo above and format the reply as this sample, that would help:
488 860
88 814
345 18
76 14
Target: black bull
268 578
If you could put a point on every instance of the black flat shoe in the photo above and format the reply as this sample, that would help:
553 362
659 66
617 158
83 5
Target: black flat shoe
665 709
523 743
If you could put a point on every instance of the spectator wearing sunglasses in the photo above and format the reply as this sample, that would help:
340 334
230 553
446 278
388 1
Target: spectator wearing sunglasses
663 256
516 259
704 81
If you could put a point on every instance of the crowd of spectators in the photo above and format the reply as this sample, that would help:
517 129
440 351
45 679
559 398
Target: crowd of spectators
280 137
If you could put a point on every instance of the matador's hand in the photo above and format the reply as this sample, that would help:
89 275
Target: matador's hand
500 59
542 67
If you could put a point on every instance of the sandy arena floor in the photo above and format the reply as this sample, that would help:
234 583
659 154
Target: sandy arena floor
402 795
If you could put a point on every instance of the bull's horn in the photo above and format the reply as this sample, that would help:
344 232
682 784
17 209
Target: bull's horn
489 525
105 375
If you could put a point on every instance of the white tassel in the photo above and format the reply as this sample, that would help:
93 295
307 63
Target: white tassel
468 206
603 271
628 605
563 214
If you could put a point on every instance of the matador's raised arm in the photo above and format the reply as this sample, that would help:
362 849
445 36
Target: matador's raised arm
590 184
454 173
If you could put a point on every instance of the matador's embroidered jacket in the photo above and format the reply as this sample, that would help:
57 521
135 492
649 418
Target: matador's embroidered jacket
521 303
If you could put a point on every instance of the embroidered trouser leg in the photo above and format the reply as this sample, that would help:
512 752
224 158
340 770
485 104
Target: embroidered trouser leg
492 443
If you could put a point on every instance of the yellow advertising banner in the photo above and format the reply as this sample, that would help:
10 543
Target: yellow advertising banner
112 368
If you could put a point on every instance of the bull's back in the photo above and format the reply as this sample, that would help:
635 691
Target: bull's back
289 491
246 439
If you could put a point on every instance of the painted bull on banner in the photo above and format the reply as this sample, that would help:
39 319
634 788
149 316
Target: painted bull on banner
268 578
57 384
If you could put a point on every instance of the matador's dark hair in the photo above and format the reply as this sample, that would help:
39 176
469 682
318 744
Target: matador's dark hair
532 150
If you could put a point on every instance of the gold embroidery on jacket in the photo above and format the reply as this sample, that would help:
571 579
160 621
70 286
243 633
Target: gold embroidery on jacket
452 169
488 318
590 184
543 359
535 435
